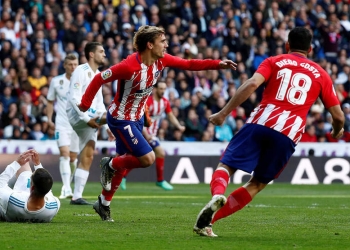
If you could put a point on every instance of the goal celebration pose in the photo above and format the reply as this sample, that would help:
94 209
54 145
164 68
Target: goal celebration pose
136 76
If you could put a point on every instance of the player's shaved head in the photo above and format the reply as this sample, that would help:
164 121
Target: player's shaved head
299 39
146 34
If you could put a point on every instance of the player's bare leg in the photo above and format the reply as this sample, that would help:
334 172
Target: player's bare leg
73 164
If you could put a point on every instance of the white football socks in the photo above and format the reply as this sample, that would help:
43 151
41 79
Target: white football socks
80 179
65 172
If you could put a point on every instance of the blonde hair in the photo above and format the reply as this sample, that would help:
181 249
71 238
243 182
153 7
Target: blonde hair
70 57
146 34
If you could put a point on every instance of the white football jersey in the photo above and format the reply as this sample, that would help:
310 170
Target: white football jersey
58 89
79 81
13 202
17 208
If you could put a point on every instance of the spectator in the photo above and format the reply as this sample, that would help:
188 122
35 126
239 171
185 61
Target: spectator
194 128
7 99
36 79
310 134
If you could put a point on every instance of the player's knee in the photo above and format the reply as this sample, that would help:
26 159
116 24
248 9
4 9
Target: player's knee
148 159
255 185
160 153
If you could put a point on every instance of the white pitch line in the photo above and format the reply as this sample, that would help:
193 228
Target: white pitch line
305 196
149 197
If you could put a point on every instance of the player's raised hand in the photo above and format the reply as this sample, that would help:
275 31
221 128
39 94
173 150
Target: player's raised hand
339 135
217 118
35 158
24 157
182 128
228 64
94 122
81 108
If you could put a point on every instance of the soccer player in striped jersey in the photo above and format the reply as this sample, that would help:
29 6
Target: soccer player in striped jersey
67 139
86 124
30 199
157 105
136 76
267 140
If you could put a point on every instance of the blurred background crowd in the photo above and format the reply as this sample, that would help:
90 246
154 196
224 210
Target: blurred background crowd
35 36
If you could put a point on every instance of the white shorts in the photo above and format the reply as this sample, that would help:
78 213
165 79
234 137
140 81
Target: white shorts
85 133
69 138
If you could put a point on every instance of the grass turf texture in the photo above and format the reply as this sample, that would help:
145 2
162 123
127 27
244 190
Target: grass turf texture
282 216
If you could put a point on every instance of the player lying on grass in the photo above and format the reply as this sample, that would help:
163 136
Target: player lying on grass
30 199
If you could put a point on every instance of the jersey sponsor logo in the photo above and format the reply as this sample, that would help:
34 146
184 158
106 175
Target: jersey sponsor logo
76 85
106 74
143 92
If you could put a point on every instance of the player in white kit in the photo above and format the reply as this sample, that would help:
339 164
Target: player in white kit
67 139
86 124
31 199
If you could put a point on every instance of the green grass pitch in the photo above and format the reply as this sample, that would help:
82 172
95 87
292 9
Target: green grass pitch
282 216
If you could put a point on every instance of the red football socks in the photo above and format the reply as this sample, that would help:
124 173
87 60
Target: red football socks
126 161
116 180
219 182
160 168
127 171
237 200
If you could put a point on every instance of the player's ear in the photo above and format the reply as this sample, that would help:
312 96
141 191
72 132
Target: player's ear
149 45
287 46
309 50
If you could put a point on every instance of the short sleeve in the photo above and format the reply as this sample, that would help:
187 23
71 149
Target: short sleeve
265 69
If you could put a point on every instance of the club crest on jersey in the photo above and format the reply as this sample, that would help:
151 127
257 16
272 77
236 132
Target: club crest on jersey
76 85
157 74
89 74
106 74
61 82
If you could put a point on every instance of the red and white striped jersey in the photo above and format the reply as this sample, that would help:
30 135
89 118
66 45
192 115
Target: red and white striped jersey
135 82
293 83
156 110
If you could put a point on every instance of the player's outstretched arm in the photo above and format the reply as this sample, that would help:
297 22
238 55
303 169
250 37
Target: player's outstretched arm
228 64
242 94
338 121
197 64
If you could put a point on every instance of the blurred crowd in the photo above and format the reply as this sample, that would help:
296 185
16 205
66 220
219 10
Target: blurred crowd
35 36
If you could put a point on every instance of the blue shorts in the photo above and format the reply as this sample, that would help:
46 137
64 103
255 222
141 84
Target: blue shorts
128 135
154 142
260 149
